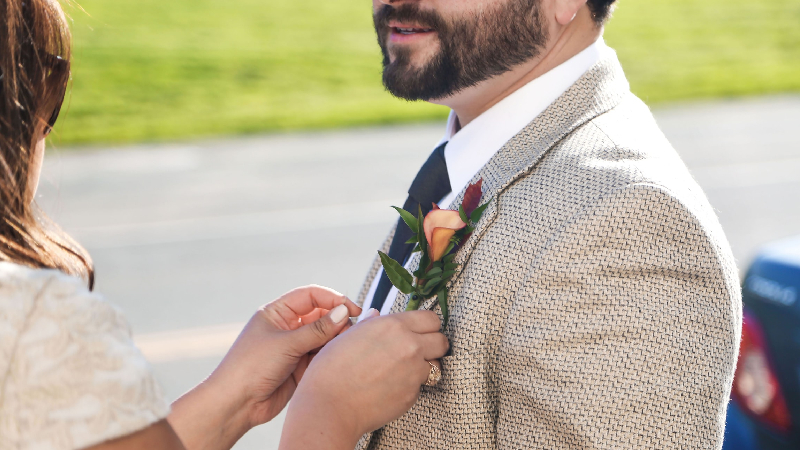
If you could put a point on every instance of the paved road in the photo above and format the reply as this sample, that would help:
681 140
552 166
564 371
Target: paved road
191 238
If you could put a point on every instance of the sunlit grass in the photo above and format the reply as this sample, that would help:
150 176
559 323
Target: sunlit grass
169 69
685 49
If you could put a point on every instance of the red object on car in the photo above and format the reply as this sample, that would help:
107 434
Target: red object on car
755 386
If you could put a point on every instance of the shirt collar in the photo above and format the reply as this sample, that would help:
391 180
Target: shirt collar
471 147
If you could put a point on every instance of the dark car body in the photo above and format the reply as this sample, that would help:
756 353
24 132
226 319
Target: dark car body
765 410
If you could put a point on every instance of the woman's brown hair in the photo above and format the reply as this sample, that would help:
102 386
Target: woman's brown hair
35 44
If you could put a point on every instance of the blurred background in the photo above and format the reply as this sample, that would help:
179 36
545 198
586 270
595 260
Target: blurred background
215 154
152 70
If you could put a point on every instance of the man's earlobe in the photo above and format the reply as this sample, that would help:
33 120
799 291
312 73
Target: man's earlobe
567 10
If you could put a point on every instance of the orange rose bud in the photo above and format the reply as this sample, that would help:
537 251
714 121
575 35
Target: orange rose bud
440 225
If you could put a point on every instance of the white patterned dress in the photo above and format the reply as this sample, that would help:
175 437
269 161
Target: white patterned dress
70 375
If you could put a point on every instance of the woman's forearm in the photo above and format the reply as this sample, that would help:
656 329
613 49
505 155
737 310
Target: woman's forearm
209 417
316 425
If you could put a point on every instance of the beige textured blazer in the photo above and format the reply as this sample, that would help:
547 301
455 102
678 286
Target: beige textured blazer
598 303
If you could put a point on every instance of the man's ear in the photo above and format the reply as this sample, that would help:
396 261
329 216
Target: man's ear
566 10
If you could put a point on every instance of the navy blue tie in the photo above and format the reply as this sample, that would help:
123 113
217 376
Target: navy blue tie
431 184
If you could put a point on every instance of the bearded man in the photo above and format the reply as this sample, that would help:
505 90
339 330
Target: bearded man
597 303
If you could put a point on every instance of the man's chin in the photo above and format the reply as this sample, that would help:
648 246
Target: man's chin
407 86
413 76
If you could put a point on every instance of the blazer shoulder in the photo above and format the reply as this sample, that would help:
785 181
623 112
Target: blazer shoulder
622 147
630 135
674 216
619 148
645 230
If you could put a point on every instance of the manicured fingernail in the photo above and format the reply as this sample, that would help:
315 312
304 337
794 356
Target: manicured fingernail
339 313
373 312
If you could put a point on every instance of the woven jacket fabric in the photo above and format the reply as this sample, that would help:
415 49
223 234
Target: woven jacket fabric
597 304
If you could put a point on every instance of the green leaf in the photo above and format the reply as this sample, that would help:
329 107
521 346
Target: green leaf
416 248
408 218
450 266
397 267
463 214
478 213
443 304
449 258
423 243
462 232
432 283
434 271
412 240
424 261
440 286
397 274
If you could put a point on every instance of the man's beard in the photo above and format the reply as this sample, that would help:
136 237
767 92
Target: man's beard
471 49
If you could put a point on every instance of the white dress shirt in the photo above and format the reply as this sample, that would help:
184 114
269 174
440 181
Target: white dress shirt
471 147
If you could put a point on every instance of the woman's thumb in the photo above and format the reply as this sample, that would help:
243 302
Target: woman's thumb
320 332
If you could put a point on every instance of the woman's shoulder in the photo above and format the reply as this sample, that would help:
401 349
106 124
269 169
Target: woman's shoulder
26 293
68 361
29 296
23 286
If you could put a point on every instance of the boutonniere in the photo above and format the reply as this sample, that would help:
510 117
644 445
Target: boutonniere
438 236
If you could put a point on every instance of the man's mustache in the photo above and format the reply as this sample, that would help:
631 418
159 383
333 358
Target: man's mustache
408 12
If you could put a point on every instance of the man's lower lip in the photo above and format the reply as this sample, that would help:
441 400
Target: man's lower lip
397 37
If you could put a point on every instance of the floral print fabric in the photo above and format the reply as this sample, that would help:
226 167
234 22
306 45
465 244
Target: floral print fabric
70 375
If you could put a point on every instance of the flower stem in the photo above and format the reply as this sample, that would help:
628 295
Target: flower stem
413 302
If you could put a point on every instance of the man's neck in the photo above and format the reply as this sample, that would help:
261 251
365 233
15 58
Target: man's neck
568 42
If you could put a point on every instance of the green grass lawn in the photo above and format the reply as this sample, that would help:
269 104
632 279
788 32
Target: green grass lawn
166 69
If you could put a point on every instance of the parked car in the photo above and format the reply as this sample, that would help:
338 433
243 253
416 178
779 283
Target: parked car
765 409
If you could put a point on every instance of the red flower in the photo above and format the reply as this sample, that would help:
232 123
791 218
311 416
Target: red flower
472 197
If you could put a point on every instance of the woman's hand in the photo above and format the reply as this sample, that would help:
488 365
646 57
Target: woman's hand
362 380
273 351
262 369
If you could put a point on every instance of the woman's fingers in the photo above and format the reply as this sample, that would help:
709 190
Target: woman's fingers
371 314
421 322
327 298
305 299
318 333
286 311
313 316
434 345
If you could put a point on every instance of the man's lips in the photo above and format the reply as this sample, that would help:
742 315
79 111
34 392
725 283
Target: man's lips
403 32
